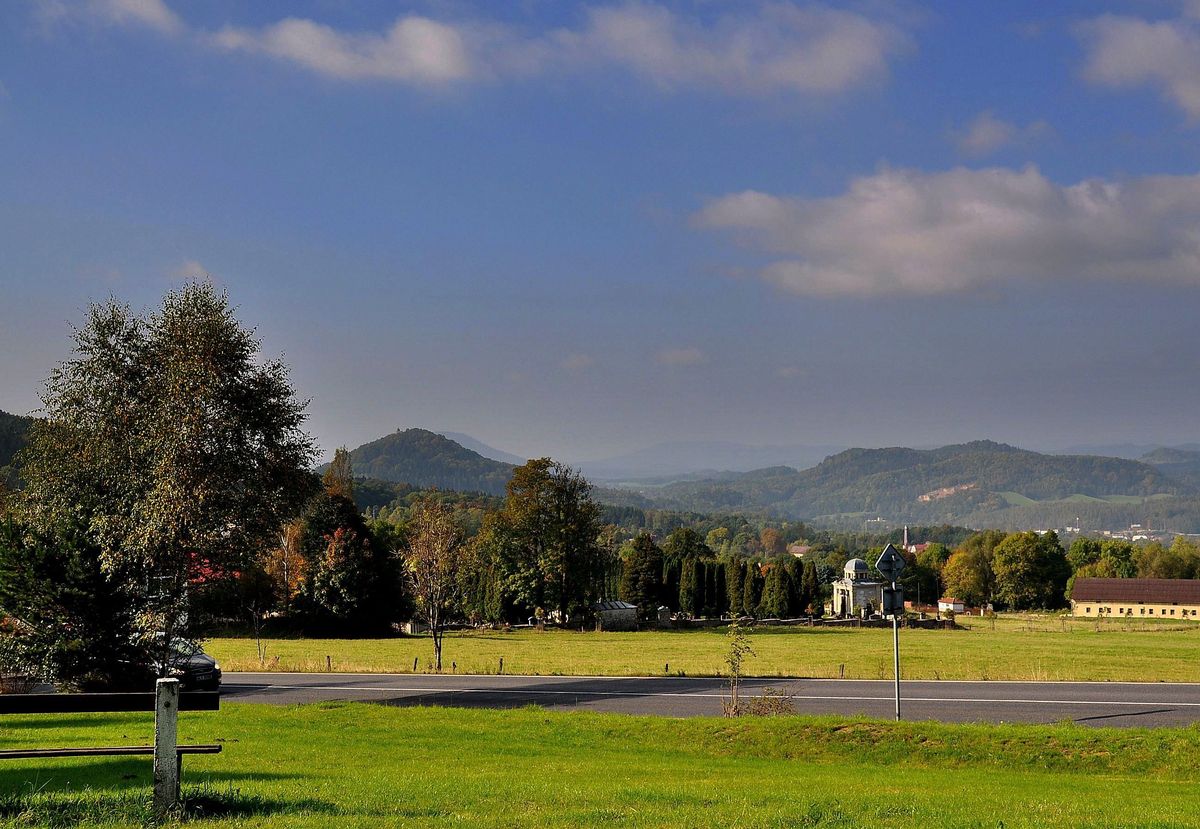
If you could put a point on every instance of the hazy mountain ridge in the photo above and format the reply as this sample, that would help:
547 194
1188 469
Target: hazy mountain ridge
681 459
890 481
481 448
1180 463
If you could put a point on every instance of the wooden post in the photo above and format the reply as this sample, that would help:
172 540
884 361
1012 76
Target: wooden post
166 758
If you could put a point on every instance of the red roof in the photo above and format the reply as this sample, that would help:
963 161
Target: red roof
1143 591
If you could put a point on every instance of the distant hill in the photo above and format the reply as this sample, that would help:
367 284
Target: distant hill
678 460
426 459
468 442
13 431
1182 464
973 484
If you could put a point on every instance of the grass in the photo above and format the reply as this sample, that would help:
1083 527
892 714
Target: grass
1034 647
351 764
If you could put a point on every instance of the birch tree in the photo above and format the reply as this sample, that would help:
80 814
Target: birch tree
434 556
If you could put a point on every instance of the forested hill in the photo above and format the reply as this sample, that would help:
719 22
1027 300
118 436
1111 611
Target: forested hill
426 459
953 483
13 429
1181 464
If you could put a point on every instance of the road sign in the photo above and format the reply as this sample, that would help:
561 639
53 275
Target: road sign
890 563
893 601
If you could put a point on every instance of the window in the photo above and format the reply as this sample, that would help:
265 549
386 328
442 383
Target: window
1141 611
1087 610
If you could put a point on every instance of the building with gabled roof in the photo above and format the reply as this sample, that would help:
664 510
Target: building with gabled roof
1094 598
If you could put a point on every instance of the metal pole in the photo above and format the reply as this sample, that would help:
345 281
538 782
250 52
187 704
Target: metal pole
896 651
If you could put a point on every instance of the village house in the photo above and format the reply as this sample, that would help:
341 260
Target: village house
1141 598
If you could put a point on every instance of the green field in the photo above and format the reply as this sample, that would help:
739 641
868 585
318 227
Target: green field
1043 648
348 764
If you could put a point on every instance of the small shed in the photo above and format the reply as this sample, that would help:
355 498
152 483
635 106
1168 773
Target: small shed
615 615
951 604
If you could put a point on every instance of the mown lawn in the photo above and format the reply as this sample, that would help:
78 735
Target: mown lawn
1016 648
349 764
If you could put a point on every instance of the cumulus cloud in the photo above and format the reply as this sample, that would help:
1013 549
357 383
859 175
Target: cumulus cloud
910 232
769 47
987 134
778 46
152 14
680 357
1128 52
414 49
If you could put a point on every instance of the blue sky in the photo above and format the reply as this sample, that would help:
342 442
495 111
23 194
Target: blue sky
578 228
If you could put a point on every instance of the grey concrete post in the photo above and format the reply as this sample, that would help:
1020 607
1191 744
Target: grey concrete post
166 760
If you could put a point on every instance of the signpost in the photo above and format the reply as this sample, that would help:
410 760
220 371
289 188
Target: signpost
891 565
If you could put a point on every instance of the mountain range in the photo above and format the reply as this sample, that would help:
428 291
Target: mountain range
979 484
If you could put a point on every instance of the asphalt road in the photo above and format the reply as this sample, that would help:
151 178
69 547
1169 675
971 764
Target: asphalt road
1090 703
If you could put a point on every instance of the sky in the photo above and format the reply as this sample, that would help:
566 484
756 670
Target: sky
580 228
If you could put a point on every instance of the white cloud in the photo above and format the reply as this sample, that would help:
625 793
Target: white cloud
910 232
781 46
988 134
680 357
414 49
1127 52
190 269
776 47
152 14
577 362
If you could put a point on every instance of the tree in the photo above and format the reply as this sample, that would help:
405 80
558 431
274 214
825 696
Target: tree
690 582
352 582
1083 551
285 566
968 573
752 589
796 603
339 475
641 583
772 541
174 447
433 560
735 585
811 590
774 596
1031 571
63 619
550 553
683 543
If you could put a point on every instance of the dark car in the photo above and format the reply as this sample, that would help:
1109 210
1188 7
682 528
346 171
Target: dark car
195 670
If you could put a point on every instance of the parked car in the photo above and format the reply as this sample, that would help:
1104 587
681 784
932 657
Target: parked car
195 670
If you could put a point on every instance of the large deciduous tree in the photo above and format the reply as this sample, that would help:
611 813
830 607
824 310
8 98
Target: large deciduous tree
1031 571
546 539
172 444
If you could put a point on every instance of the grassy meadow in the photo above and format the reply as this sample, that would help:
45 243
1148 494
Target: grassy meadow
1033 647
348 764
